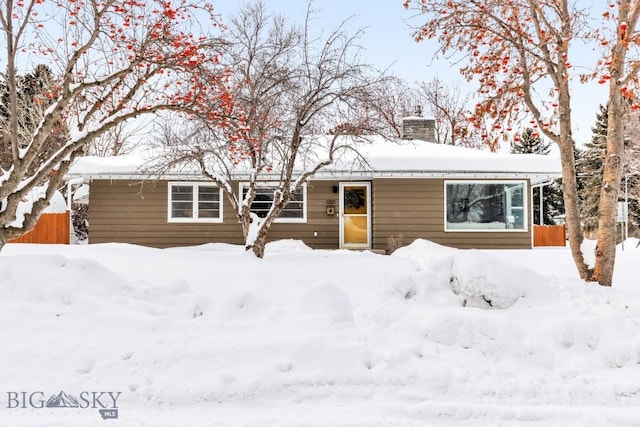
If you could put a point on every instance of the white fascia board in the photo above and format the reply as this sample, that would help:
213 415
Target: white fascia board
535 177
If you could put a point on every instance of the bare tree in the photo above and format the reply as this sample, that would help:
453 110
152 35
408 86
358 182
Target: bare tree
396 99
113 60
291 83
449 105
117 141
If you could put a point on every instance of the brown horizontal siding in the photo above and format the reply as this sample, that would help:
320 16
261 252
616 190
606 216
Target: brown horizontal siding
414 208
131 212
125 211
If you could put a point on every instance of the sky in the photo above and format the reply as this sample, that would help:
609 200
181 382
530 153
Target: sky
387 37
387 42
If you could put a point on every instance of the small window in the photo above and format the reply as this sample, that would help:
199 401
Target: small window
194 202
485 206
294 211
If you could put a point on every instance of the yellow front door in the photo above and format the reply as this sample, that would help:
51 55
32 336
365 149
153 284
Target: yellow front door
355 218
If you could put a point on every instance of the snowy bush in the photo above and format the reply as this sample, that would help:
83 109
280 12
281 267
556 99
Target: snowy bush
483 281
477 278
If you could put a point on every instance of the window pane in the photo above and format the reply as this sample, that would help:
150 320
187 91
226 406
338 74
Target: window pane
485 206
297 196
208 212
208 202
515 206
181 210
295 207
355 200
181 201
182 192
355 229
208 194
290 212
262 201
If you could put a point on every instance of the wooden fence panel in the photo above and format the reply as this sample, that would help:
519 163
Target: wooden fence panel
51 228
549 235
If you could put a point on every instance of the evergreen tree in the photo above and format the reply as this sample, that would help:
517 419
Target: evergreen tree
589 168
33 99
530 142
631 175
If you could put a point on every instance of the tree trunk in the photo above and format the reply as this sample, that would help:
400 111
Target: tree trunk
609 191
613 165
569 183
259 243
572 210
256 239
255 229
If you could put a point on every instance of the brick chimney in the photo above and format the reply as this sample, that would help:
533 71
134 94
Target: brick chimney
418 127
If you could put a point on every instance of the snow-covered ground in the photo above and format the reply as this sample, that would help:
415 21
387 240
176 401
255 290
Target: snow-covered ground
210 336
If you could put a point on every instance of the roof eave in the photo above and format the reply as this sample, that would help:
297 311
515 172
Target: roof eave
534 176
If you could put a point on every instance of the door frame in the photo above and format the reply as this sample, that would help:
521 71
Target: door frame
367 186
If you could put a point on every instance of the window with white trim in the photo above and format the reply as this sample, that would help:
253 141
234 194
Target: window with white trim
194 202
485 206
294 211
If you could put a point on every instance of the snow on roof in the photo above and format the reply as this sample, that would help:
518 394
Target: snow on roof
92 165
382 158
430 157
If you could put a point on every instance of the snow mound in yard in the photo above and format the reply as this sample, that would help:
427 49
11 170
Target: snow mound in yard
285 245
484 281
428 254
57 279
202 336
480 280
76 286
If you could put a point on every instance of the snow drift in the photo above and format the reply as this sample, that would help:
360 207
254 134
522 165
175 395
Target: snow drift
210 336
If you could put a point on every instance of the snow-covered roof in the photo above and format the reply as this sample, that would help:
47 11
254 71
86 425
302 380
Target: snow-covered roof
95 165
431 157
383 158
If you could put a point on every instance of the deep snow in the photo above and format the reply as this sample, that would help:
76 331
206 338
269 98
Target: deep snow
211 336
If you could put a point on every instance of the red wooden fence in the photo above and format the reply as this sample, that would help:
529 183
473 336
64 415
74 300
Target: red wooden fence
51 228
549 235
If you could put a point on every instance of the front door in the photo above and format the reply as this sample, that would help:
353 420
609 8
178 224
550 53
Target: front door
355 215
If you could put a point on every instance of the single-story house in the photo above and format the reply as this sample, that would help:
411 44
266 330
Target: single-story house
410 189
